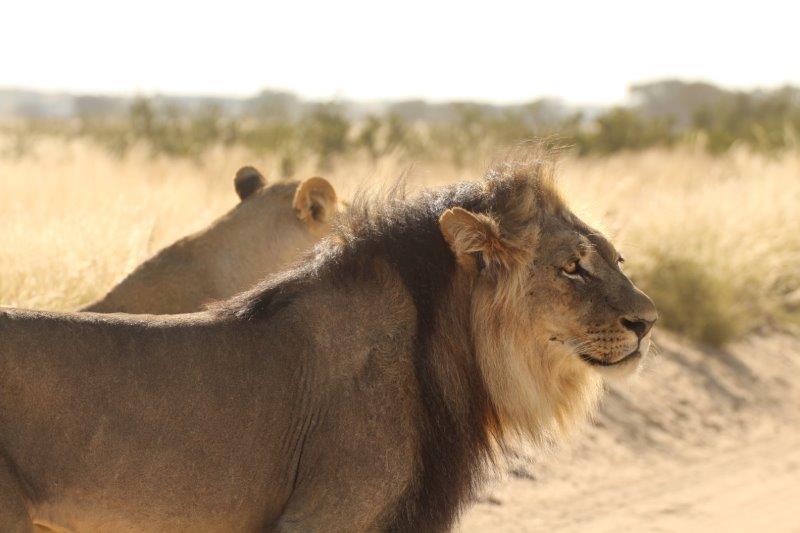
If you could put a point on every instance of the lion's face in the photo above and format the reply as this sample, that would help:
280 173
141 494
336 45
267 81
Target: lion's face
551 309
589 305
559 286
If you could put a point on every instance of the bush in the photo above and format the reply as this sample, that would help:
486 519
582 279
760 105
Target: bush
462 133
625 129
325 133
692 300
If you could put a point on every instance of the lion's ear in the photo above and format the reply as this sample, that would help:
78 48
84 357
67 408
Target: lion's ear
247 181
314 200
474 235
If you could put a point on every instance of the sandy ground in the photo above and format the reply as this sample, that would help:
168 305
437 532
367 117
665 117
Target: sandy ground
703 440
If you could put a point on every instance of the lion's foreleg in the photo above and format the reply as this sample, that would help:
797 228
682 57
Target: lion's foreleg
14 516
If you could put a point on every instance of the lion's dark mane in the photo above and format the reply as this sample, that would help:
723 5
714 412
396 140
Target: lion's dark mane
405 235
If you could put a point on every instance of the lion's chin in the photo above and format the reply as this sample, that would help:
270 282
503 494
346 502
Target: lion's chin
622 368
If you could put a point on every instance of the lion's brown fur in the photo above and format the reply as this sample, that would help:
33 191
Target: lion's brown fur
375 381
467 340
271 227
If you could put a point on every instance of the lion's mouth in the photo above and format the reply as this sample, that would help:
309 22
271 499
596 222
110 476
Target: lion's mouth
597 362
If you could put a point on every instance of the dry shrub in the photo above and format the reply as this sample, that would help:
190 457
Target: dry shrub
714 240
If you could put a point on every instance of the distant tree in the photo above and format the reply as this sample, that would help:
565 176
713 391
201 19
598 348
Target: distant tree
325 132
677 99
142 117
411 110
275 106
98 107
765 120
397 133
624 129
368 137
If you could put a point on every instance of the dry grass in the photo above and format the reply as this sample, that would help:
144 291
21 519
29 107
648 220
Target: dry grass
714 240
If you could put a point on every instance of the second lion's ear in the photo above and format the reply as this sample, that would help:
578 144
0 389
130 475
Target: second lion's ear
247 181
474 234
315 201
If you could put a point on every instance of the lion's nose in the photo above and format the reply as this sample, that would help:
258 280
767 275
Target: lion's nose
637 325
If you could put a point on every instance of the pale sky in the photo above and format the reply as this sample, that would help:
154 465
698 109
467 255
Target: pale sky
582 52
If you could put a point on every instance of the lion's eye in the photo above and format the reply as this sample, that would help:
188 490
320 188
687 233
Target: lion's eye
620 260
571 267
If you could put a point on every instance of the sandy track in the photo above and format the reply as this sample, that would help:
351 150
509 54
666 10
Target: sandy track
754 487
703 442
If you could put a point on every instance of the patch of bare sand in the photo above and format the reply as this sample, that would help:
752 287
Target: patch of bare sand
703 440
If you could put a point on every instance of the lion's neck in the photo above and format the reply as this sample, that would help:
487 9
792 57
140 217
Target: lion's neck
541 392
456 420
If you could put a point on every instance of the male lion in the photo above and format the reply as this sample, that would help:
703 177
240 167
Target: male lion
365 389
266 231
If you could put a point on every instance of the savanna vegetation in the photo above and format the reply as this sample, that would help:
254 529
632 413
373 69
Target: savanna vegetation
699 186
660 114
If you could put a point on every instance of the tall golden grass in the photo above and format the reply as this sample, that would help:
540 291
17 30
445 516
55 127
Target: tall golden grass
715 240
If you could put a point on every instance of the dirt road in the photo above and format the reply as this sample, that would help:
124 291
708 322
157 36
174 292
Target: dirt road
704 442
753 487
